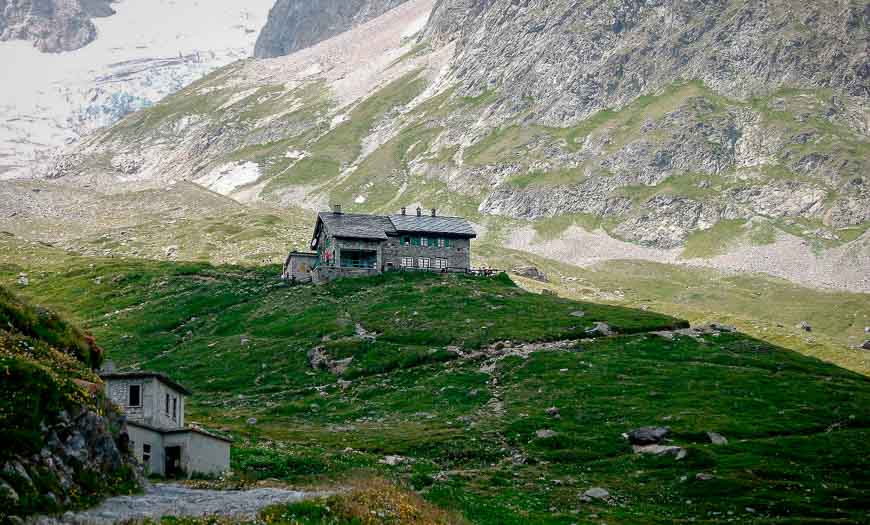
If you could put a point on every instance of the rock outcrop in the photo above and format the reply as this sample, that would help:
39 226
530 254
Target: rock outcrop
599 55
63 444
84 454
52 25
297 24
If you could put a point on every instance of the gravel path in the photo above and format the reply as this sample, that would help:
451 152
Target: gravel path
173 500
845 268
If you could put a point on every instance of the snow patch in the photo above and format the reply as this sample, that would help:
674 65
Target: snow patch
227 178
338 119
360 199
238 97
294 154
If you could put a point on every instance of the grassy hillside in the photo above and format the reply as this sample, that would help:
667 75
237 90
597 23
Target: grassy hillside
762 306
46 365
42 356
433 382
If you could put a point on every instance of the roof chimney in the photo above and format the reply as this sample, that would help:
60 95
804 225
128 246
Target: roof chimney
336 209
433 212
419 212
404 210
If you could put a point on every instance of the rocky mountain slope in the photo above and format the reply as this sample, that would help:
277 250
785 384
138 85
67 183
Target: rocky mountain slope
61 439
297 24
729 134
53 26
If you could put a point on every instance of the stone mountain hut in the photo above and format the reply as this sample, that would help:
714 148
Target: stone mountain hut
351 245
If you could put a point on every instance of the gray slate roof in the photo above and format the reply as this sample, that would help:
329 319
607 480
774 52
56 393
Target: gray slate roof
428 224
358 226
377 227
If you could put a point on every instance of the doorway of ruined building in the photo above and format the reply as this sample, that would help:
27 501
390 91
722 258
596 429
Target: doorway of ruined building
173 462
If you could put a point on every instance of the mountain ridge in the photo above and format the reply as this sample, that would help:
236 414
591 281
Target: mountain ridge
296 24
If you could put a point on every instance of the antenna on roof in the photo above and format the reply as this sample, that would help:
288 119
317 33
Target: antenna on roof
404 210
336 209
433 211
419 212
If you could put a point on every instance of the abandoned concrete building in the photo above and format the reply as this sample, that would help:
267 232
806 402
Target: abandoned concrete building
350 245
154 405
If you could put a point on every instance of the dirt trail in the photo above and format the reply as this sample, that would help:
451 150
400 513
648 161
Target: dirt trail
174 500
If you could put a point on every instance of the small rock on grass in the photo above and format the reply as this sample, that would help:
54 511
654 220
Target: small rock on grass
393 461
601 329
866 345
717 439
661 450
545 433
648 435
553 412
596 493
703 476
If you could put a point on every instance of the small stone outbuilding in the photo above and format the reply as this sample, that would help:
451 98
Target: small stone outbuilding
154 406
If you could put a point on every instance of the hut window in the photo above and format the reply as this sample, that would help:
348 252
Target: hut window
424 262
407 262
146 453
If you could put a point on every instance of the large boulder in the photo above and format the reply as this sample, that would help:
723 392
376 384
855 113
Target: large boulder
532 272
601 330
717 438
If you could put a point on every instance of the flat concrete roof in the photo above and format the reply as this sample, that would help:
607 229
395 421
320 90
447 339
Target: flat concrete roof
163 378
193 430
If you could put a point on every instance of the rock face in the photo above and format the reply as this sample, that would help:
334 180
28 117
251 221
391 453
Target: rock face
52 25
597 55
297 24
80 450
